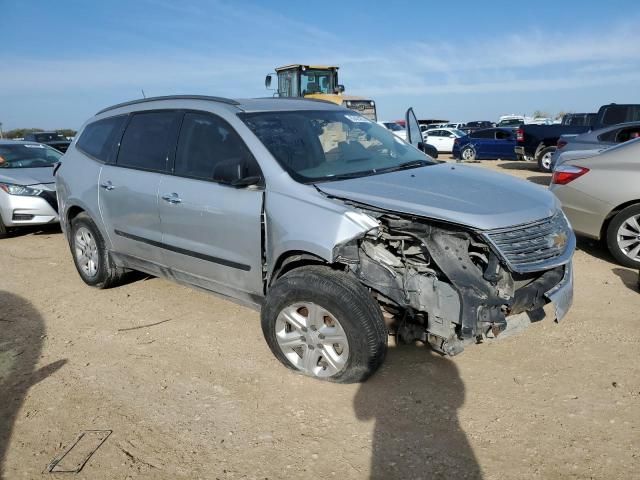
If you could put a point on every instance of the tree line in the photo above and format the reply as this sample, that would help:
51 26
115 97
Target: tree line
21 132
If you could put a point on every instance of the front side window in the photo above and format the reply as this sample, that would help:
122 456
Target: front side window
145 143
210 149
22 155
316 146
98 138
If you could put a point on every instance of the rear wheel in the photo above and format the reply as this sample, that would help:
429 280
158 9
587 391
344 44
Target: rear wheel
325 324
90 255
623 237
544 159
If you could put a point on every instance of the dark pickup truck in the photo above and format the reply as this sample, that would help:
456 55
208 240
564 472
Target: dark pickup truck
538 142
53 139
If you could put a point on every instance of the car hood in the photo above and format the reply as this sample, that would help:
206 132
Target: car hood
27 176
458 194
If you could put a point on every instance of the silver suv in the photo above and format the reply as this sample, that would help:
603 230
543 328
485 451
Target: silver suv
339 231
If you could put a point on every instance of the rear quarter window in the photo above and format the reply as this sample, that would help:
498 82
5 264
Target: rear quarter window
98 139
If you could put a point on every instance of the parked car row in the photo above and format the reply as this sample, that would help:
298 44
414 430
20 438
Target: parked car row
539 142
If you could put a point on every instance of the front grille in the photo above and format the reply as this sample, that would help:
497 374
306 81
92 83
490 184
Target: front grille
51 198
535 245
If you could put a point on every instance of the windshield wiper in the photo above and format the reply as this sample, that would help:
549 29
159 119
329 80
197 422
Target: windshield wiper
407 165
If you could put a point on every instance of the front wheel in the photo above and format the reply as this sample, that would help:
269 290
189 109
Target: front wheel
544 159
325 324
623 237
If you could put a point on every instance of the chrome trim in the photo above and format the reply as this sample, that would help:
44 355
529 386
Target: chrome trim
525 248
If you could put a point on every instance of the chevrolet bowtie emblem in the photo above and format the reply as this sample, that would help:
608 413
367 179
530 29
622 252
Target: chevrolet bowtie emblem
558 240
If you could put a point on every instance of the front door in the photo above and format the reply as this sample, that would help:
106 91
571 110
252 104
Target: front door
211 207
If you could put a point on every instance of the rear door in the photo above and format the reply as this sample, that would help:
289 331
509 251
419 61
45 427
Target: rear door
211 229
129 188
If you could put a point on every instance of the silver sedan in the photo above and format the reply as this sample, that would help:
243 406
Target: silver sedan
600 195
27 185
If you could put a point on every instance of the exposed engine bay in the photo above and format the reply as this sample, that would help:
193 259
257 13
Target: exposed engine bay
440 283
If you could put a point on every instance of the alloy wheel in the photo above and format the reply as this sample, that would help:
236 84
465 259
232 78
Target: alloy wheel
629 237
86 251
312 339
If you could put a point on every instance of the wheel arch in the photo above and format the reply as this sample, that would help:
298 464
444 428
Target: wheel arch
613 213
290 260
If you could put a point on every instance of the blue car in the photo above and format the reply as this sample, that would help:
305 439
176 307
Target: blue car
490 143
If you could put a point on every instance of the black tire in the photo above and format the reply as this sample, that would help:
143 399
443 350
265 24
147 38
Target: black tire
348 300
544 159
108 274
612 236
3 229
469 152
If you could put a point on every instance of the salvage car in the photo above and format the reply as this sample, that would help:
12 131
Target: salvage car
339 231
27 186
600 194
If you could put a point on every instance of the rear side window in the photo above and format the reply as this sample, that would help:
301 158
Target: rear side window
98 138
502 135
483 134
145 143
210 149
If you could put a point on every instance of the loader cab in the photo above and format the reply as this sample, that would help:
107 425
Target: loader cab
306 80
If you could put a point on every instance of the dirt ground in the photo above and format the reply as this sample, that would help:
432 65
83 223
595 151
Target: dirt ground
199 395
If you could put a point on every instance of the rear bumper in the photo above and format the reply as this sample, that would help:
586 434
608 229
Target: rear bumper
585 213
18 211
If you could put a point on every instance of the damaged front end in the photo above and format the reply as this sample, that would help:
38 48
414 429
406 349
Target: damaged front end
448 285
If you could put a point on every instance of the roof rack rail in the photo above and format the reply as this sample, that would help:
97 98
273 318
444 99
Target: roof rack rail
228 101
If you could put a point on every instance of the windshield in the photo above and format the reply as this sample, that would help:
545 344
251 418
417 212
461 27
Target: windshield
316 81
316 146
513 122
23 155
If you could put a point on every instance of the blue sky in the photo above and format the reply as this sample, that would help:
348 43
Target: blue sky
62 61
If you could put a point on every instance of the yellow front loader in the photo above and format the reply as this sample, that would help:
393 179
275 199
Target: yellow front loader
321 82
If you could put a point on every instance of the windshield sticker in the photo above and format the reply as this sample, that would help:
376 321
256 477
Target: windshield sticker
33 146
357 119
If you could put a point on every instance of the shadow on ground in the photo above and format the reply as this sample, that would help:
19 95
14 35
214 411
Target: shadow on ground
414 400
543 180
21 336
49 229
630 278
519 166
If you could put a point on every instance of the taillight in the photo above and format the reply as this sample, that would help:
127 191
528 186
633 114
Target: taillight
567 173
520 135
561 143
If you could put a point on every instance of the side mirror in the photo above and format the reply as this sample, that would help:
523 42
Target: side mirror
339 89
246 182
267 81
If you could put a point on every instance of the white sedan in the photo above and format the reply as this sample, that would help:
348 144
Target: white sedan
398 130
443 138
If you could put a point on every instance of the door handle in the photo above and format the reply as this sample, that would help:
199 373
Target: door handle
107 185
172 198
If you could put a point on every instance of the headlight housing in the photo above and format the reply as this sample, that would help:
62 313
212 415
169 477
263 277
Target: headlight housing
20 190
